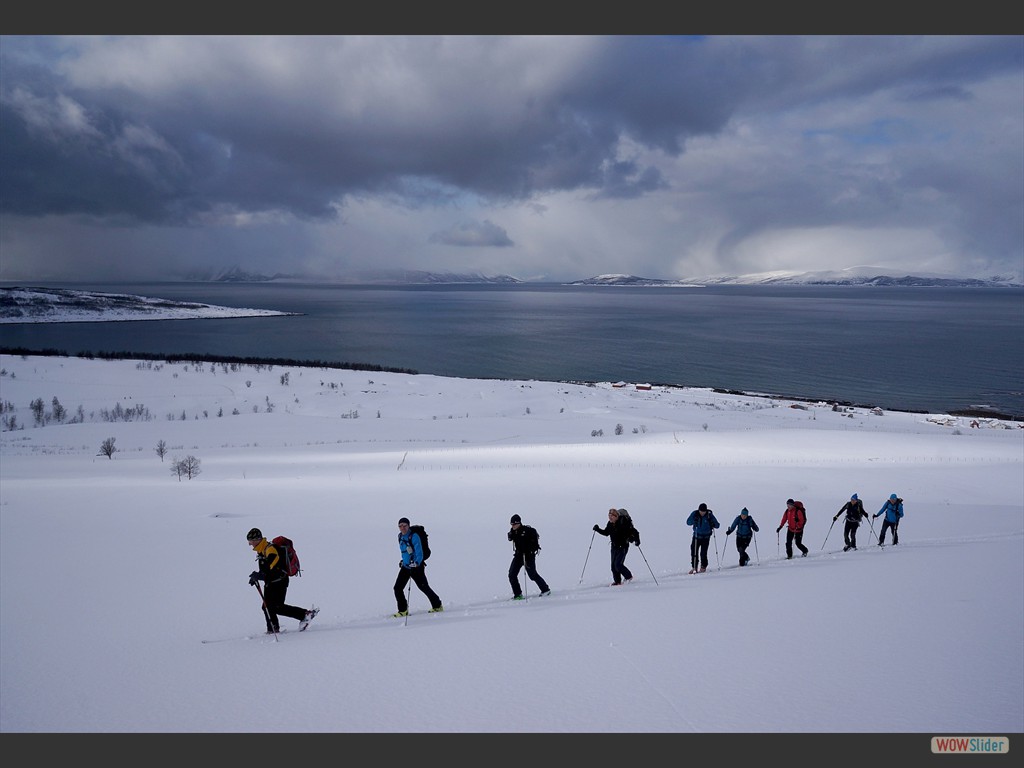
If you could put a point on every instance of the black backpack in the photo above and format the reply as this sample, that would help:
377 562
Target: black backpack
531 539
634 534
423 539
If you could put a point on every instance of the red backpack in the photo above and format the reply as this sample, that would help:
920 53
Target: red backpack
289 560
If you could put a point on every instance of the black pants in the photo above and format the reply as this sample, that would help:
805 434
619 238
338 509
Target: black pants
619 569
699 552
419 577
530 560
886 525
798 537
742 542
273 597
850 533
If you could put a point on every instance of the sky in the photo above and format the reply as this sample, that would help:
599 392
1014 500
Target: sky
549 158
113 571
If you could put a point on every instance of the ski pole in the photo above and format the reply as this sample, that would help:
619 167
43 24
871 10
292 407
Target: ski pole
526 581
648 564
715 537
725 547
588 556
754 537
777 544
408 605
828 534
266 610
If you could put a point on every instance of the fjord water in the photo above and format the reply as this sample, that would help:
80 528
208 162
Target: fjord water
922 349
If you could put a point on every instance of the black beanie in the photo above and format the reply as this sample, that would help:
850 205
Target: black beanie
515 519
403 520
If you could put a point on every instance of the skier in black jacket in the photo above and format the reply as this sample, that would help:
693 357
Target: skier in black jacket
271 572
854 510
620 530
526 542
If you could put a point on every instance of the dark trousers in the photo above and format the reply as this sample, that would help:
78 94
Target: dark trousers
419 578
619 569
886 525
530 560
850 533
798 537
699 551
742 542
273 598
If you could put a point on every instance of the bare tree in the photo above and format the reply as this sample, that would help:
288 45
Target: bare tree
187 467
161 449
59 411
38 410
107 448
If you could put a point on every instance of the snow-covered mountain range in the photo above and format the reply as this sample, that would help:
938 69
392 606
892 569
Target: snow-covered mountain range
861 275
361 277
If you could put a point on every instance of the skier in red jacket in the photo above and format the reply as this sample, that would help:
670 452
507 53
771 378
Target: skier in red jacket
795 517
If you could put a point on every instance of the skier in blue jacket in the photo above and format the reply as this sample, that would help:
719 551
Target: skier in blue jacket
412 567
703 522
893 511
744 526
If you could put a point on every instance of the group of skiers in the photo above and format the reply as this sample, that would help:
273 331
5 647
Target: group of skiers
703 522
526 544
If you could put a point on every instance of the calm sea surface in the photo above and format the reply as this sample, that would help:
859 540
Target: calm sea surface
924 349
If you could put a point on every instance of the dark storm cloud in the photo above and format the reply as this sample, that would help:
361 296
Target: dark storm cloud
251 142
238 141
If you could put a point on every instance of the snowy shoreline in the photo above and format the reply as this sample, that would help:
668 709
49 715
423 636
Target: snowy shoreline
59 305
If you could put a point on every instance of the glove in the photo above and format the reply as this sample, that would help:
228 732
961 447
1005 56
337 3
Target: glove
728 532
596 528
637 540
413 565
778 529
835 518
254 577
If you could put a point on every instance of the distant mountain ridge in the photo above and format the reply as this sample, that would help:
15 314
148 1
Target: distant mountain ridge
362 277
617 279
860 275
849 276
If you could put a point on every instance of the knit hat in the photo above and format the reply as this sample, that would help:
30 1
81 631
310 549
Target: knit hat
744 511
515 519
854 497
789 501
254 534
403 520
703 507
893 497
